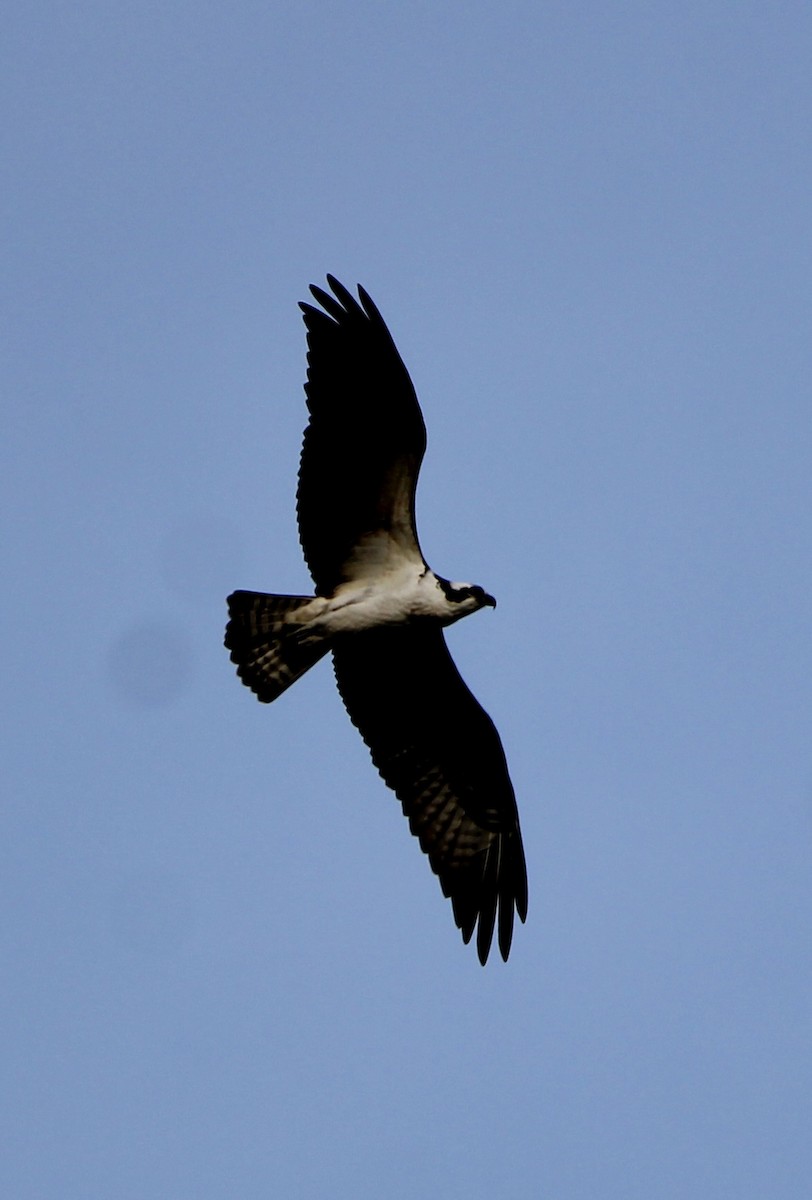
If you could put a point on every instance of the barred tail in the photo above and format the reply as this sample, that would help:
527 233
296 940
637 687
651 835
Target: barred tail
269 640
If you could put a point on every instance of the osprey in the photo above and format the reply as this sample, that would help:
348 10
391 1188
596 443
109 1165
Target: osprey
381 610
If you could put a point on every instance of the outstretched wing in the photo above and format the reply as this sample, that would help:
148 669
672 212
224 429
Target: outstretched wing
363 446
440 752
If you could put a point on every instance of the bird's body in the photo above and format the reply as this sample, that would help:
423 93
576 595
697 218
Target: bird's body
381 610
401 596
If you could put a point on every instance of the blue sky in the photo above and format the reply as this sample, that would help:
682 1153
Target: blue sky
227 968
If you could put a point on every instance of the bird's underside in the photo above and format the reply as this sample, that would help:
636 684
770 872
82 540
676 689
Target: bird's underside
381 611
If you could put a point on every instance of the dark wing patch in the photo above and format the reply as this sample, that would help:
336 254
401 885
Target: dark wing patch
365 440
439 751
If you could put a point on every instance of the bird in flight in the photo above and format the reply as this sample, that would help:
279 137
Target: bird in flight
381 610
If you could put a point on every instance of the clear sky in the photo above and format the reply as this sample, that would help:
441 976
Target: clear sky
227 970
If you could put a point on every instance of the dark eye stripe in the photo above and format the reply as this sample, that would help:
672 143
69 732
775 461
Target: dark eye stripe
456 595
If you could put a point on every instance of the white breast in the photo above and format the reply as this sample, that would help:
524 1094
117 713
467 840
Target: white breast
394 598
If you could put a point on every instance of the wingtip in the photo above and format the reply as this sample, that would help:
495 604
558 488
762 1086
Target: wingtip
363 303
368 304
338 306
344 294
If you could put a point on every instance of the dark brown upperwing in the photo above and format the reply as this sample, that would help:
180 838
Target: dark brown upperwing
365 440
438 749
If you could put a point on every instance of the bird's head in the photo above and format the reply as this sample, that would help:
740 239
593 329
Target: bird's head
483 599
465 597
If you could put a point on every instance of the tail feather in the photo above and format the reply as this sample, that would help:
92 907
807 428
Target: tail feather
269 640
